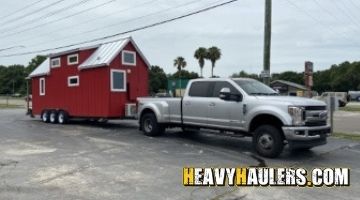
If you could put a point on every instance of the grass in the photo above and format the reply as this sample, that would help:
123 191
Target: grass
349 136
4 106
350 108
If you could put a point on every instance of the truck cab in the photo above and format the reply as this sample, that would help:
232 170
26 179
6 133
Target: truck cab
243 106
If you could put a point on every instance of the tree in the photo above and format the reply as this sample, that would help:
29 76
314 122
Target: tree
213 55
201 54
184 74
243 74
34 63
157 79
180 62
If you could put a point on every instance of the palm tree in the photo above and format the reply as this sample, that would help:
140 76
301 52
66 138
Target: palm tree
179 63
213 55
201 54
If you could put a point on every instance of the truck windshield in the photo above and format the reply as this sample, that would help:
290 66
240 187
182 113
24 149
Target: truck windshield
253 87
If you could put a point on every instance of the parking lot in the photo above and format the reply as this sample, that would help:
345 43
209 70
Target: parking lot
115 161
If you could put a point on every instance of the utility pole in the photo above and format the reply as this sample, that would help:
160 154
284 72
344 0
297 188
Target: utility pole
267 43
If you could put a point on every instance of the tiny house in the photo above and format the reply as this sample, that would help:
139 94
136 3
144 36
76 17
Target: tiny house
95 82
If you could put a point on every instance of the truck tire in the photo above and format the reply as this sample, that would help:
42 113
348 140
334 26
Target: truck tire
53 116
45 116
62 117
150 126
268 141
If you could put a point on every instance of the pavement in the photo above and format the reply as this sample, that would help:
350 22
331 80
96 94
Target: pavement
115 161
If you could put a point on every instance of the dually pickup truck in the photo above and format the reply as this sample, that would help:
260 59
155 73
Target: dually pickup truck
243 106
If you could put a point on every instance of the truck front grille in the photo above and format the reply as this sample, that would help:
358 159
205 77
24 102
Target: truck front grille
315 116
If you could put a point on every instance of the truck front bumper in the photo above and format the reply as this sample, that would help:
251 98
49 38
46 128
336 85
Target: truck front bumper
305 136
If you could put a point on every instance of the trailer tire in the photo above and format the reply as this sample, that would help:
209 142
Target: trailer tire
62 117
268 141
53 116
45 116
150 126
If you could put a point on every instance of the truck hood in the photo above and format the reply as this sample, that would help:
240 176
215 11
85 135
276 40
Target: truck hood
299 101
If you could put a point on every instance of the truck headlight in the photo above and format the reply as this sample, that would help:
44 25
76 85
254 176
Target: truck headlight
297 115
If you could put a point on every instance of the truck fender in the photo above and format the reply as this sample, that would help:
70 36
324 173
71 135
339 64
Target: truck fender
156 110
284 117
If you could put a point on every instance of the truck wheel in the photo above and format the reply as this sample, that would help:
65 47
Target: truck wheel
45 116
53 116
150 126
62 117
268 141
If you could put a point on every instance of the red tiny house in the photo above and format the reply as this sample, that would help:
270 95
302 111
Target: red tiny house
90 82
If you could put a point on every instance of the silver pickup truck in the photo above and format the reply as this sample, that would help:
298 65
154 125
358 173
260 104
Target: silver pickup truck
243 106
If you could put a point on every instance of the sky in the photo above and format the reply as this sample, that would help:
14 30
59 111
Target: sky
322 31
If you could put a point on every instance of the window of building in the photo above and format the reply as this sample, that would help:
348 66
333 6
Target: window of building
128 57
73 59
73 81
55 62
42 86
118 80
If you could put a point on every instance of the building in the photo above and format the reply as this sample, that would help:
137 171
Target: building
288 88
96 81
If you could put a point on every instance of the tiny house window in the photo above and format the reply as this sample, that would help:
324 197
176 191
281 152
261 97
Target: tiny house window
73 81
73 59
128 57
42 86
55 62
118 80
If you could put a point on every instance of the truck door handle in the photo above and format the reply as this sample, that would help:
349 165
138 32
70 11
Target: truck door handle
212 104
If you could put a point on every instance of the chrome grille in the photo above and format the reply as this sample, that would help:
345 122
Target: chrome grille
315 116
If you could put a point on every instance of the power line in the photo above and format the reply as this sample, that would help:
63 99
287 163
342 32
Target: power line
347 14
71 6
125 21
317 20
127 32
13 47
31 13
21 9
331 14
57 20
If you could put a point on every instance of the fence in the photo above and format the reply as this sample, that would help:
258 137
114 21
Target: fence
8 101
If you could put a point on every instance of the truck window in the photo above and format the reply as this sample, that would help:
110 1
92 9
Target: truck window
200 89
222 84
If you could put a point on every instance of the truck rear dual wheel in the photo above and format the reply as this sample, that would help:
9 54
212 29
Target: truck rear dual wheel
150 126
268 141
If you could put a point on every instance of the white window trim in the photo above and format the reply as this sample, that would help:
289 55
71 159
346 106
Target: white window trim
72 84
112 78
123 57
54 66
40 89
71 56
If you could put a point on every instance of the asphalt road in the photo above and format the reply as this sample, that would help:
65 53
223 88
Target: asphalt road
115 161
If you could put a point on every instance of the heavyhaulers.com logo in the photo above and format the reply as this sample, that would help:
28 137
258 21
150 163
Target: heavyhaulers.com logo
252 176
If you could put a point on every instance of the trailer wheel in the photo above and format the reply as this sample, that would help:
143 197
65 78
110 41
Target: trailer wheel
62 117
45 116
53 116
150 126
268 141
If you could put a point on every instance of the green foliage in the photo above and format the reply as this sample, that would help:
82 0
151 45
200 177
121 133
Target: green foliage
12 78
157 79
180 62
243 74
213 54
184 75
290 76
201 54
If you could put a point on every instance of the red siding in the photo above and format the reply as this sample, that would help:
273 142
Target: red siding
92 98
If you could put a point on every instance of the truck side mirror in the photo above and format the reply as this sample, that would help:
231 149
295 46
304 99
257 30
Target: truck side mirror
225 94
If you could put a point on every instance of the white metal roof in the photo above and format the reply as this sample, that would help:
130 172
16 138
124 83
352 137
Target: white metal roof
103 55
42 69
106 53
